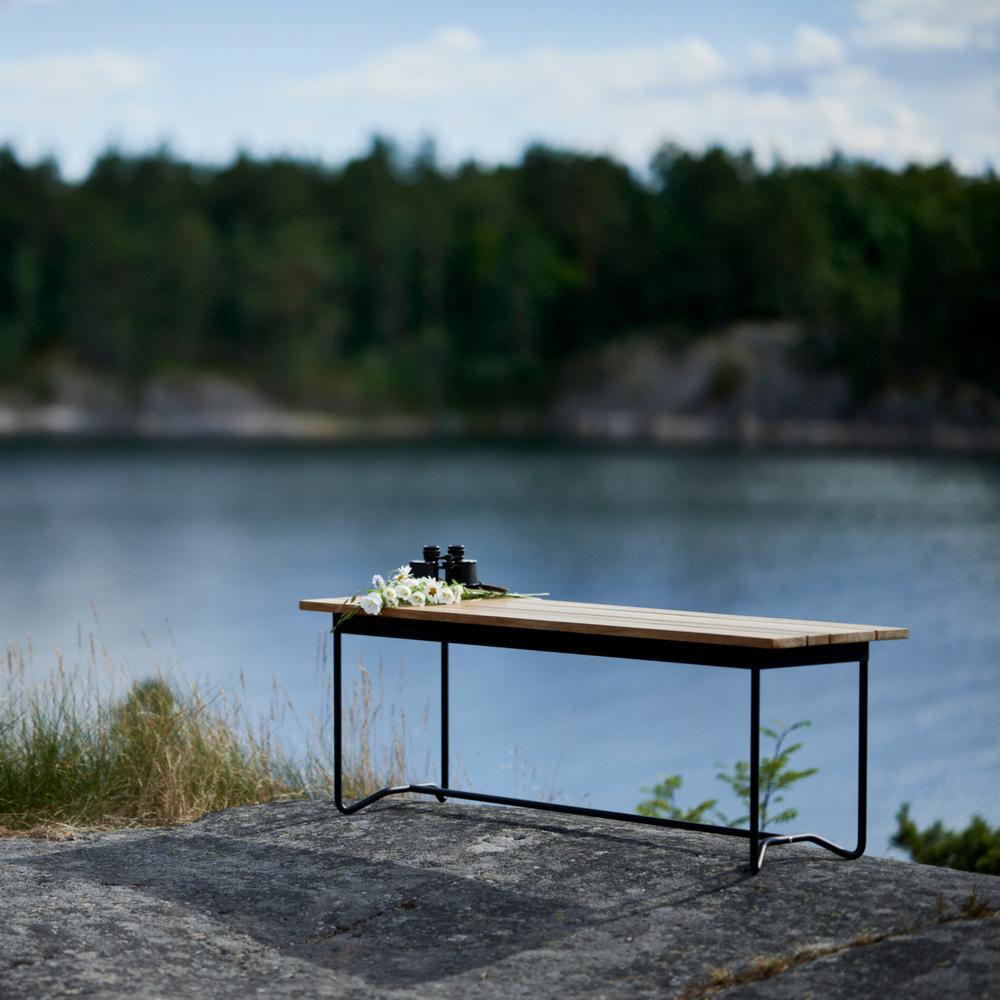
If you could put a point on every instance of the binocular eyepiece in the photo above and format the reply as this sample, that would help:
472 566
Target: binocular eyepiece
455 567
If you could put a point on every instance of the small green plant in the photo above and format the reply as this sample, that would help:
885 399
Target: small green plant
662 802
777 776
974 849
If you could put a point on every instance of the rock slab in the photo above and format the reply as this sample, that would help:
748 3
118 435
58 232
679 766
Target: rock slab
410 899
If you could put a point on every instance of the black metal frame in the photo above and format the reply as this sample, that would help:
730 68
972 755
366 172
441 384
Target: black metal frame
747 658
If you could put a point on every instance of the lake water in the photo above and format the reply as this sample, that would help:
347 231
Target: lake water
214 546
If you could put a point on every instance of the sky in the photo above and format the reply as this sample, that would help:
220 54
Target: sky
889 80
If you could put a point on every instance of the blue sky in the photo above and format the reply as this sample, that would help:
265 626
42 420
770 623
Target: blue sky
892 80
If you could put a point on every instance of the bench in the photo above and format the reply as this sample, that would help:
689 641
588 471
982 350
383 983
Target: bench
733 641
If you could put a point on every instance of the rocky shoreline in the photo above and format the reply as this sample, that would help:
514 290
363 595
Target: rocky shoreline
745 387
594 426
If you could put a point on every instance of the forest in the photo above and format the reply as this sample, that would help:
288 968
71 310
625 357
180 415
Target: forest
391 278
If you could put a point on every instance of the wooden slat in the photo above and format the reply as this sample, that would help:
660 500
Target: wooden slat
826 631
645 623
808 624
598 612
666 622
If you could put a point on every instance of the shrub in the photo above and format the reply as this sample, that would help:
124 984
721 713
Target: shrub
974 849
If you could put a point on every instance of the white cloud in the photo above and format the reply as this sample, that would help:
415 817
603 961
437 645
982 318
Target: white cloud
816 49
927 25
70 79
458 38
811 50
800 101
762 55
73 103
800 97
452 63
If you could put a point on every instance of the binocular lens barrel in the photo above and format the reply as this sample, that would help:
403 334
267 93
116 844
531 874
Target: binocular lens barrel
455 566
466 572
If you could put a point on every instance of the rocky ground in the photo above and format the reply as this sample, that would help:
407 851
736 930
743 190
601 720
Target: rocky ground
413 899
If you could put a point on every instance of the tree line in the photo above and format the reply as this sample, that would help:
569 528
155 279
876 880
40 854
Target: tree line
399 280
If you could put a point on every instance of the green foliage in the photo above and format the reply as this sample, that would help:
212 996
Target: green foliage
777 776
974 849
466 287
662 802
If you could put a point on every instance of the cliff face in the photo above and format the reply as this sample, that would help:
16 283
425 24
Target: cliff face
751 385
412 899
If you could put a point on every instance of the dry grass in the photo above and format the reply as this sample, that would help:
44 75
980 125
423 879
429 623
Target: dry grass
375 737
766 967
86 747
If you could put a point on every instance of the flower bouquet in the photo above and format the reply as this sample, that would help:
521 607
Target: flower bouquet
403 589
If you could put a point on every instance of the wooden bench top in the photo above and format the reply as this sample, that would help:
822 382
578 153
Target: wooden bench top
637 623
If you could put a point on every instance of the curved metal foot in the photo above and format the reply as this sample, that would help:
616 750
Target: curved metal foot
360 804
429 786
812 838
425 788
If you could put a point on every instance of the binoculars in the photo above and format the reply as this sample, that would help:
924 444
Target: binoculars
453 564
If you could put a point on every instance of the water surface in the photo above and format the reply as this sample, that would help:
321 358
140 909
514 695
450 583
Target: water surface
214 545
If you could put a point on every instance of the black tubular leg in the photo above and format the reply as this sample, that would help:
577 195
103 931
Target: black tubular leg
812 838
755 853
338 738
338 725
862 759
444 719
444 714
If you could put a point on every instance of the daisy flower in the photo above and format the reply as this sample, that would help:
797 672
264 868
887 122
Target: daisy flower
417 599
433 590
371 604
377 581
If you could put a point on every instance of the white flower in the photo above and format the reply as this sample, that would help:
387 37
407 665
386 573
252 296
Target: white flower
390 596
447 595
433 591
378 581
457 589
371 604
403 573
403 592
417 599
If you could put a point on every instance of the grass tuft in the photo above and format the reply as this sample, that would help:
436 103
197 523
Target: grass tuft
88 748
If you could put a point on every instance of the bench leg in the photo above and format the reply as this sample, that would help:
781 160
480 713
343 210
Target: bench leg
338 726
338 737
757 853
444 715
